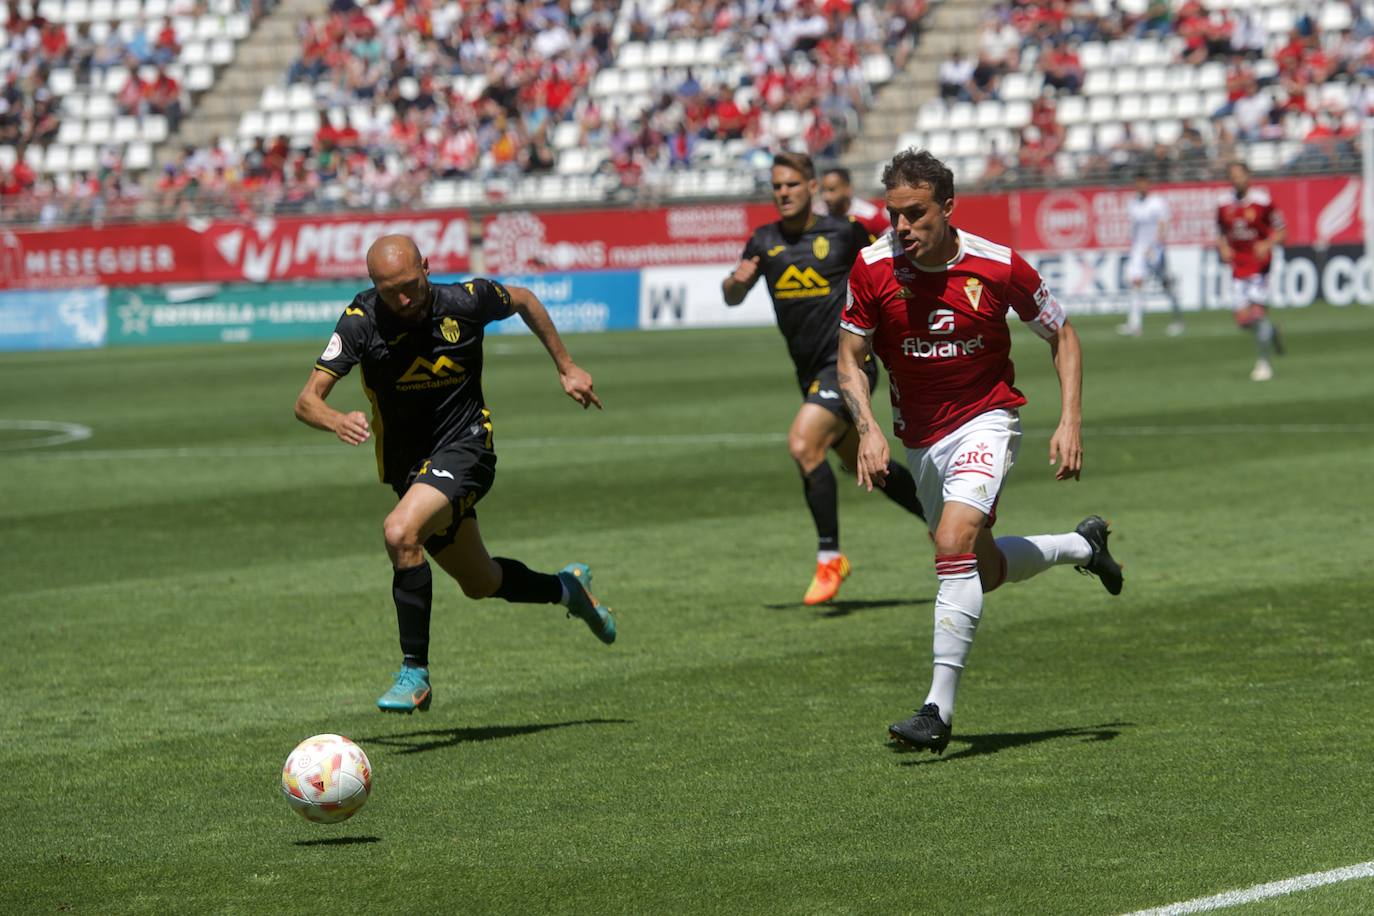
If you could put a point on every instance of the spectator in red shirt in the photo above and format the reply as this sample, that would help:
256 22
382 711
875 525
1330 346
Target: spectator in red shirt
133 95
167 47
726 115
1062 68
54 44
164 98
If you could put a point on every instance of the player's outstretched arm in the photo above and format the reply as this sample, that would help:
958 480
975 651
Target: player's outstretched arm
741 280
311 410
1066 445
577 383
873 450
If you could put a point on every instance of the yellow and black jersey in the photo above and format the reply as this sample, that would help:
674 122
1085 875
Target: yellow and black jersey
808 278
424 380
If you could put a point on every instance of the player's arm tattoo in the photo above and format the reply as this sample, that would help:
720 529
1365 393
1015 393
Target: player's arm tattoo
852 402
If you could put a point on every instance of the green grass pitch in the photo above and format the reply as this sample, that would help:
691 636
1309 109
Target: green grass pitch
202 584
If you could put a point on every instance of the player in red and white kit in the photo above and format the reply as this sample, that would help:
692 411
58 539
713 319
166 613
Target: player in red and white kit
1249 226
932 302
837 193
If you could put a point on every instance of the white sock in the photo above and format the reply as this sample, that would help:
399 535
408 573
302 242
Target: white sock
958 605
825 556
1031 556
1136 317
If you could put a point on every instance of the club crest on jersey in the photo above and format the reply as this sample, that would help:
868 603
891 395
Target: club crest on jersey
449 328
821 246
973 288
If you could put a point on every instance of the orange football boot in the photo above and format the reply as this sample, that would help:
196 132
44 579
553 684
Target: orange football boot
826 584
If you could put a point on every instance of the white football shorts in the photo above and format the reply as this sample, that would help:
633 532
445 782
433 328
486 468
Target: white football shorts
1145 263
1248 291
967 466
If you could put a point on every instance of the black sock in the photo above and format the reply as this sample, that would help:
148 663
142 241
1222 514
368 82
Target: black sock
523 585
413 591
819 487
900 487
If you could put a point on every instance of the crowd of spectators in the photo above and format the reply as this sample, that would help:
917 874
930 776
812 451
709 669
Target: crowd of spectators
1276 90
33 48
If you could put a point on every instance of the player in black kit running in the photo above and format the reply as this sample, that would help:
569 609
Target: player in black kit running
805 259
420 348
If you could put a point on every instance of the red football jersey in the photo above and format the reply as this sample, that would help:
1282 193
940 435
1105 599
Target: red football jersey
942 331
870 216
1243 222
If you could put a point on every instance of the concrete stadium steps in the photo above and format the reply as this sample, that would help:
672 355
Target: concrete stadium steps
261 61
949 24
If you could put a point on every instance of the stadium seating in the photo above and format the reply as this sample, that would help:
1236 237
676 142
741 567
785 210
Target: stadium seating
1144 86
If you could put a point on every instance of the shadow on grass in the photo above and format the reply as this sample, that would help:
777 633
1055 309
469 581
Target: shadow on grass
435 739
845 607
992 744
339 841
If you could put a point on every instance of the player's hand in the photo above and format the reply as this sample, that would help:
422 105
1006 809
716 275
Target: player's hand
1262 248
352 428
746 271
873 458
578 385
1225 254
1066 448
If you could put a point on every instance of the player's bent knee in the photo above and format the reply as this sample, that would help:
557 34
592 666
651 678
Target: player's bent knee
805 453
399 536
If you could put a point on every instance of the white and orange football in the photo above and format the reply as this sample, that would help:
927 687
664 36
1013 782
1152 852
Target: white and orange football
326 779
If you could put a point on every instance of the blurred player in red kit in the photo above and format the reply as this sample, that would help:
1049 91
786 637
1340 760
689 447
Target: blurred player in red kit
1249 227
932 301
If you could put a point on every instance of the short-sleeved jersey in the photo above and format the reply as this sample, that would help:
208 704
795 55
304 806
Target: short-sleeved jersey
869 215
942 331
424 380
1244 221
1148 215
806 276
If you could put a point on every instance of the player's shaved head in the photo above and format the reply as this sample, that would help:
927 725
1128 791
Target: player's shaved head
401 276
392 254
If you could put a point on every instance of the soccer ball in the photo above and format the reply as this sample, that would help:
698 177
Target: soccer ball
326 779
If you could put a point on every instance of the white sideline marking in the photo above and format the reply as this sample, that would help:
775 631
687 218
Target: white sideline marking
78 433
1264 891
65 433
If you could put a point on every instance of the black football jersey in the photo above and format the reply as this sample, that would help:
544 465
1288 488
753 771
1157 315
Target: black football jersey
425 380
808 278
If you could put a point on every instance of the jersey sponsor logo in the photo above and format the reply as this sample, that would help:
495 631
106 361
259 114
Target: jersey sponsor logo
333 348
973 289
821 247
449 328
425 374
776 250
917 348
941 321
800 284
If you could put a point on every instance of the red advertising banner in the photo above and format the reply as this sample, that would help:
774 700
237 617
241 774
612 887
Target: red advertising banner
319 247
625 239
1318 211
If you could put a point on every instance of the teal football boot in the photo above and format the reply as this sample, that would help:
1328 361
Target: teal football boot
410 692
577 579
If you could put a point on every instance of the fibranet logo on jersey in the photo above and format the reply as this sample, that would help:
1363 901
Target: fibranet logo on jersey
917 348
800 284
